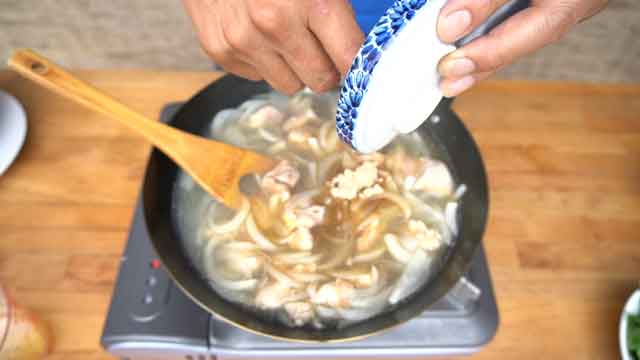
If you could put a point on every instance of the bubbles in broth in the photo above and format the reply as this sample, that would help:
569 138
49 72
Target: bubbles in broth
329 237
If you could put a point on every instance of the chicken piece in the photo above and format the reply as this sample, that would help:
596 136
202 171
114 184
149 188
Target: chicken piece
276 294
300 312
266 116
435 179
300 239
303 217
284 173
336 294
427 239
347 184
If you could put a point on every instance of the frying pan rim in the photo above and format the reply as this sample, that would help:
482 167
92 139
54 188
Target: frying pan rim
461 269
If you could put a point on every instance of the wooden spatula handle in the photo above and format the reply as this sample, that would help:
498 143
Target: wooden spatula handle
44 72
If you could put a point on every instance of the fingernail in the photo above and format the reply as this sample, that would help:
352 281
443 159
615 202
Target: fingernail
454 88
452 26
458 67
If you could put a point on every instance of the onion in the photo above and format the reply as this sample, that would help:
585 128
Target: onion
281 277
308 277
257 236
427 209
460 191
222 119
295 122
450 212
237 246
235 285
416 272
269 136
328 142
235 222
368 256
326 312
396 199
396 250
377 299
359 314
213 273
315 147
277 147
293 258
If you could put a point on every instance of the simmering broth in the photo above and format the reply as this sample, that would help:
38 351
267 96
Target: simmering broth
329 237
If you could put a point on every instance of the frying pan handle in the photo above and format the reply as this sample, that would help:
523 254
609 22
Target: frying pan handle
498 17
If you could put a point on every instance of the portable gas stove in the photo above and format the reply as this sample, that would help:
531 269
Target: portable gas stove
151 319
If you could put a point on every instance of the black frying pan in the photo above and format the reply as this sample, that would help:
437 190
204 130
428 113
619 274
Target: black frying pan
229 92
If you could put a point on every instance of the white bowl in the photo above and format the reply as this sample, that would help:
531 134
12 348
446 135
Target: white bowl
13 129
631 307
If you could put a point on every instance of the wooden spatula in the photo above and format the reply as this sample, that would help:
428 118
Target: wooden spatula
217 167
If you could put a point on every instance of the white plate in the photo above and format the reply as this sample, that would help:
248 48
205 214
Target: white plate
631 307
393 83
13 129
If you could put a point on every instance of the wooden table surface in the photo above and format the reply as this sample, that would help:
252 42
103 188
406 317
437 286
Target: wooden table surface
563 239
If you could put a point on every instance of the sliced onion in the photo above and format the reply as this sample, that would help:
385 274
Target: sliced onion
235 222
214 274
281 277
396 250
377 300
396 199
293 258
315 147
326 312
258 237
295 122
277 147
222 119
268 135
328 142
308 277
460 191
450 212
358 314
369 256
414 275
235 285
427 209
238 246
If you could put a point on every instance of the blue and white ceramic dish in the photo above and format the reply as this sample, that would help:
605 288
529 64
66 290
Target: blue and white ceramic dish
392 86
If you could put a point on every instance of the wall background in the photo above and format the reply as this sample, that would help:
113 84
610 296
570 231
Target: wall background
157 34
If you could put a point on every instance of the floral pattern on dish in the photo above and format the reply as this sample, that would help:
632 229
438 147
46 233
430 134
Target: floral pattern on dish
357 79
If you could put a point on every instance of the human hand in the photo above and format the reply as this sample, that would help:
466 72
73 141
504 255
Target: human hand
545 22
290 44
